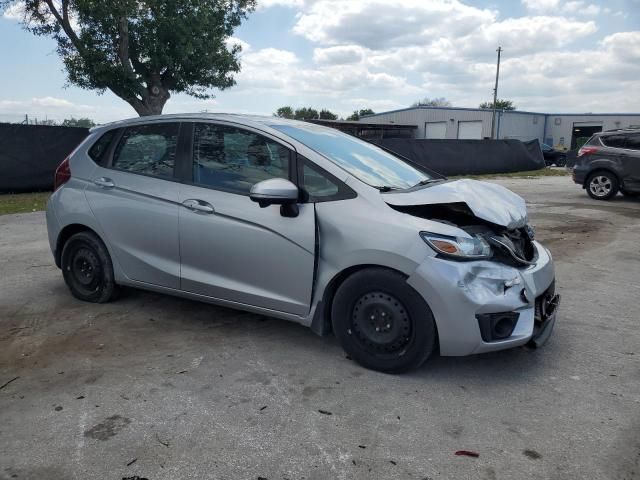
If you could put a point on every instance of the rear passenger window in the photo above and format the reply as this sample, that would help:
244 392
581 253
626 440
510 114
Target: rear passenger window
99 149
231 159
148 150
616 141
633 142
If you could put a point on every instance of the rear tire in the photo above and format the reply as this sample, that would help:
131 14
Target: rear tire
602 185
383 323
87 268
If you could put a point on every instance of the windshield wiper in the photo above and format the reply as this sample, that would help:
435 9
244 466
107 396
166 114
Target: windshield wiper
427 181
384 188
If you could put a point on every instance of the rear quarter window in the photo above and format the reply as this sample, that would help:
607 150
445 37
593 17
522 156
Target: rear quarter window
633 142
615 141
98 150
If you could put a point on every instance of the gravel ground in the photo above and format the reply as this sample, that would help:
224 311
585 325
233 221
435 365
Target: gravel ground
165 388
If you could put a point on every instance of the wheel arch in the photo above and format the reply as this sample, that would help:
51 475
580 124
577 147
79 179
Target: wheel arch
65 234
601 169
321 322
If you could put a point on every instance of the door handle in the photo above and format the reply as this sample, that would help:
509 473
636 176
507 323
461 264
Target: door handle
198 206
104 182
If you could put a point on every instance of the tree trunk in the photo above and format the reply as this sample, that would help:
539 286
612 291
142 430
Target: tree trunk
151 103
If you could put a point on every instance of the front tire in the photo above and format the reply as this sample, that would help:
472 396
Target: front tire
383 323
87 268
602 185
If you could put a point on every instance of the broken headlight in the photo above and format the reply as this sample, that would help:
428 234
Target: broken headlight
462 248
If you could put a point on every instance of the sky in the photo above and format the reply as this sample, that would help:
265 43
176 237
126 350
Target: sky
559 56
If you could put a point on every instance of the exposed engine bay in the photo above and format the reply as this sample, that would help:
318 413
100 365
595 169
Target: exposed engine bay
511 246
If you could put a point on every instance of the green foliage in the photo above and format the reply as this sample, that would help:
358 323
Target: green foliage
327 115
284 112
142 50
432 102
355 116
500 105
306 113
78 122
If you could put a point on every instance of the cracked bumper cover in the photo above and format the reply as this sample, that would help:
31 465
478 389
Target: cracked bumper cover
458 291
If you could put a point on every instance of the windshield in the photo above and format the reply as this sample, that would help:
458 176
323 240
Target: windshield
363 160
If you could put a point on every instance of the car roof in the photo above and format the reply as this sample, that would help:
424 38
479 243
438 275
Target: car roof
618 131
249 120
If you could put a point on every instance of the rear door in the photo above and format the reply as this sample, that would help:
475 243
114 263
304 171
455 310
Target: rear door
134 197
230 248
631 161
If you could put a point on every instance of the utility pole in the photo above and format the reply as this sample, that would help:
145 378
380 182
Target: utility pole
495 97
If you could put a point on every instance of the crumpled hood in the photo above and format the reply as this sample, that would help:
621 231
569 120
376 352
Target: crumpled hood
488 201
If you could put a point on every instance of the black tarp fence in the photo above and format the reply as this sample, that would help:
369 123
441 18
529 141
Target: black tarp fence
29 154
469 157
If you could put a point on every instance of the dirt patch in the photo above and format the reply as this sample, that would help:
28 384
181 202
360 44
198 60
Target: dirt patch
107 429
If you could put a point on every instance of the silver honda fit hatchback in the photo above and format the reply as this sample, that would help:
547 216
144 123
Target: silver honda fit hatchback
305 223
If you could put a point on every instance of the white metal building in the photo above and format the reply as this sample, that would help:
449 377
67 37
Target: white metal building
562 130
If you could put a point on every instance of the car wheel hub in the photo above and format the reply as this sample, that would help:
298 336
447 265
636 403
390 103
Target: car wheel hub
381 322
600 186
85 267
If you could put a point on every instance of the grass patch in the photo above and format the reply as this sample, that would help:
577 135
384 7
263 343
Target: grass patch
543 172
23 202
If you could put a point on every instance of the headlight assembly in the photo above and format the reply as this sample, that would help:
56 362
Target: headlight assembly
474 248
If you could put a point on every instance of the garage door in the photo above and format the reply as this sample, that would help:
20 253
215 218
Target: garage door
435 130
470 130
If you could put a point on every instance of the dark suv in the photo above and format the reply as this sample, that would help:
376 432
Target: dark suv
610 162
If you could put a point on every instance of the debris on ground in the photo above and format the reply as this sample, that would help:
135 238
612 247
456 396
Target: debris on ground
166 444
325 412
7 383
58 408
262 408
467 453
132 462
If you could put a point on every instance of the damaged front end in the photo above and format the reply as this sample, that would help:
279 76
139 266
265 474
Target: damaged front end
499 292
512 246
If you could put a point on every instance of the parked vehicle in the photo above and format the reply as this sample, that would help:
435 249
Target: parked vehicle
609 162
305 223
553 156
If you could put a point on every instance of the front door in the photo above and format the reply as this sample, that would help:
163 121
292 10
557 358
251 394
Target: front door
135 199
230 248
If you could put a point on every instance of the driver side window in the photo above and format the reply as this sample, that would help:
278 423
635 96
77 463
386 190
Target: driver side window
230 159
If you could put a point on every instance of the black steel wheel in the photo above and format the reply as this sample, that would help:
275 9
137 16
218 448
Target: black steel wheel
87 268
382 322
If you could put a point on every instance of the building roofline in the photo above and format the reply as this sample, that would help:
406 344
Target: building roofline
424 107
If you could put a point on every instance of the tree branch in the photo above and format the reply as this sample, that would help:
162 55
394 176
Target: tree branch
63 21
123 46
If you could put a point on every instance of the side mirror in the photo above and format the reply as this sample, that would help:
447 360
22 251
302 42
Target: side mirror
276 191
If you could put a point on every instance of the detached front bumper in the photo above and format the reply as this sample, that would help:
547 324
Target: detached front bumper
462 293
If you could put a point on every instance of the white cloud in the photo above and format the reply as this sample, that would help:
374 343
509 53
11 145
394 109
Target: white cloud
58 109
341 55
558 7
379 24
14 12
283 3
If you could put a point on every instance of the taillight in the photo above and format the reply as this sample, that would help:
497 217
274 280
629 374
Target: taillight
63 174
587 151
